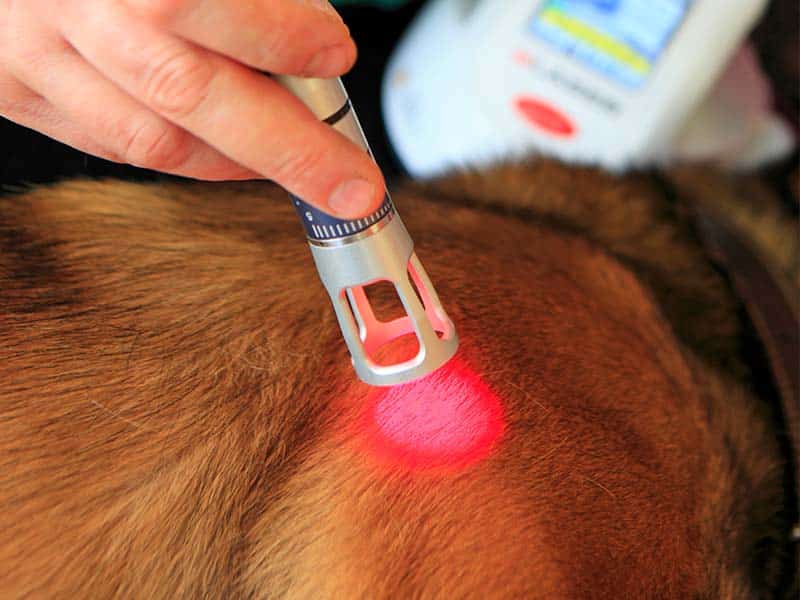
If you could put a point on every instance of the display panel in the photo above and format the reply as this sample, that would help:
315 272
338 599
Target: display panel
620 38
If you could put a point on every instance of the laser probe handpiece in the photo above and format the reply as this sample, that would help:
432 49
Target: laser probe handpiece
353 254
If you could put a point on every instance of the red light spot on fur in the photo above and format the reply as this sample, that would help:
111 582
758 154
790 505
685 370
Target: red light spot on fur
448 419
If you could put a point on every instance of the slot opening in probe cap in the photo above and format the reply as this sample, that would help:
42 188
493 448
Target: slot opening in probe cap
393 318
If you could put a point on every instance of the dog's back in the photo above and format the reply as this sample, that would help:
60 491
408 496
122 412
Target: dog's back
178 416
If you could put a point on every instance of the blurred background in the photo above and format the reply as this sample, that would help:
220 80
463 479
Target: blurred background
26 156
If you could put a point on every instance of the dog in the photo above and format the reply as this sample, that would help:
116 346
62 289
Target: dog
179 417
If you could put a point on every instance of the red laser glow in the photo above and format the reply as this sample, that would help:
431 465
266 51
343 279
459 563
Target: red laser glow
449 418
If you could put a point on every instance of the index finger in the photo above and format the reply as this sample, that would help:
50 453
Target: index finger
238 111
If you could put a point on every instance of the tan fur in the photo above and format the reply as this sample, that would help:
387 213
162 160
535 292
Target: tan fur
178 417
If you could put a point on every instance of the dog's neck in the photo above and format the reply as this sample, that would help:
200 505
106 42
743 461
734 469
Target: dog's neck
773 315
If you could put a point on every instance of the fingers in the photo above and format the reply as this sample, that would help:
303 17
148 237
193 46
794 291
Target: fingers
289 36
152 86
24 107
112 125
242 113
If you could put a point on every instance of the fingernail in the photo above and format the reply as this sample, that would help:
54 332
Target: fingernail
328 62
352 198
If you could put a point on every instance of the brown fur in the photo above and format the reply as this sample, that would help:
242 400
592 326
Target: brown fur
178 417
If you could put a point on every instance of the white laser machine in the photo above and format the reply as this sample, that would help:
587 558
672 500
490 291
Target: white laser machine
606 82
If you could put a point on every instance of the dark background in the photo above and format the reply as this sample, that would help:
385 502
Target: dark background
26 156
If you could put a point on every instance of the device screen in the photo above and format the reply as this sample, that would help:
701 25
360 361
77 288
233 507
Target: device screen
620 38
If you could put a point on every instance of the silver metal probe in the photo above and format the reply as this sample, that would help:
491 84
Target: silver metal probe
351 255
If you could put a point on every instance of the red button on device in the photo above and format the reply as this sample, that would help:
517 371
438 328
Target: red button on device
544 116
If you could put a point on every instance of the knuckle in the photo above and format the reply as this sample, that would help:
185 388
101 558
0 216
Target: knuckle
177 83
158 146
296 165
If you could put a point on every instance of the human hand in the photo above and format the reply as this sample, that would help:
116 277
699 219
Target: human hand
174 85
